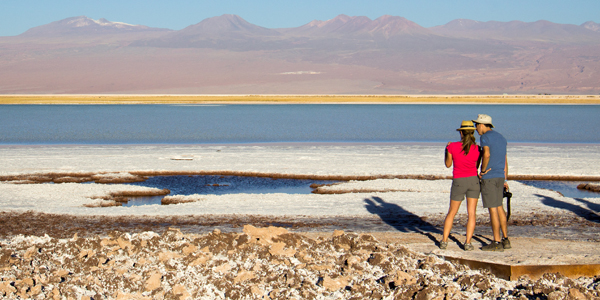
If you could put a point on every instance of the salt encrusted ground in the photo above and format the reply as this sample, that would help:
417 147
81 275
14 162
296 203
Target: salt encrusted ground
420 203
418 197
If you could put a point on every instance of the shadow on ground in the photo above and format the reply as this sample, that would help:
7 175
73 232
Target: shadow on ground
400 218
590 214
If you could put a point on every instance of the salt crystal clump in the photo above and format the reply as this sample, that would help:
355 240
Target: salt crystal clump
225 265
118 177
264 235
176 199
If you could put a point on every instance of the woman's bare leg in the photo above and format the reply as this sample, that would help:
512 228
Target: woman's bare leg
454 206
472 218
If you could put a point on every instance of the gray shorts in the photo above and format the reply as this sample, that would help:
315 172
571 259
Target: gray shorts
492 192
468 186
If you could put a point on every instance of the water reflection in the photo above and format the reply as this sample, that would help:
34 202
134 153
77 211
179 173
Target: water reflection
137 201
567 188
221 185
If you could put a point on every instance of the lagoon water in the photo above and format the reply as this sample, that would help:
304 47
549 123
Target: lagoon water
336 123
221 185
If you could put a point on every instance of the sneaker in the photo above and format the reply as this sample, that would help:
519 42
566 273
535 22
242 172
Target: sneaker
506 243
469 247
443 245
493 246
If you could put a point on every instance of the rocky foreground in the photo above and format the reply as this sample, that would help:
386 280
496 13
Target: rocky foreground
259 263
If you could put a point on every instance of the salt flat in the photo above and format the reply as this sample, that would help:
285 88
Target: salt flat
420 197
410 215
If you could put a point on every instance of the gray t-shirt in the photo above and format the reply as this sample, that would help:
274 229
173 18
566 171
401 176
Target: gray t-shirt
497 144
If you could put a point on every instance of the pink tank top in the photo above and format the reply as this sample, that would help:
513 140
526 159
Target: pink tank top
464 165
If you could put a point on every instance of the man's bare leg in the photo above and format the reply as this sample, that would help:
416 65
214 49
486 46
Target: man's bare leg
502 219
495 220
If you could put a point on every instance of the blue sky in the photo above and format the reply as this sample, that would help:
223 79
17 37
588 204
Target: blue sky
16 16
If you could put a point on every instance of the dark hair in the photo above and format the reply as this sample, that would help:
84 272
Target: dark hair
468 140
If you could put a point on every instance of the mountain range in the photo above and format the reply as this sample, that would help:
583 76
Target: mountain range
344 55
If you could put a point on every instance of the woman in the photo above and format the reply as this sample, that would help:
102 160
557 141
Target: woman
465 155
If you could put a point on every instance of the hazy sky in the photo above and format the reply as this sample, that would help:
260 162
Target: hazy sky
16 16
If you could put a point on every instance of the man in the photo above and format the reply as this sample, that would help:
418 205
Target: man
494 172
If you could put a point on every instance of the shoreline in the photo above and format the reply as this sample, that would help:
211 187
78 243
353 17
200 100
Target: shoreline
298 99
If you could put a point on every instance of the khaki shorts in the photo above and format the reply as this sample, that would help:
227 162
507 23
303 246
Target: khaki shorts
468 186
492 192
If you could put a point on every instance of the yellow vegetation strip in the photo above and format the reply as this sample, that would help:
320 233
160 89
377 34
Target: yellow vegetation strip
297 99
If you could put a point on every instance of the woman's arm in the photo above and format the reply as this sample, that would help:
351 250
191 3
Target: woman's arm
480 156
448 157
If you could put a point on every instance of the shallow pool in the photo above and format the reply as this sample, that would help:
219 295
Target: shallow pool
567 188
221 185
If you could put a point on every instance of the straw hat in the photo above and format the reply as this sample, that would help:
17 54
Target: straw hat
484 119
466 125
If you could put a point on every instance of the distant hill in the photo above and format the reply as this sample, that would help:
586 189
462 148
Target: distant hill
517 30
591 26
343 25
84 26
344 55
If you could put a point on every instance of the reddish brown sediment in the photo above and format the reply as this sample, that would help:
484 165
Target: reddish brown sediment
322 191
289 176
177 199
100 177
555 177
63 225
137 176
590 187
78 179
146 193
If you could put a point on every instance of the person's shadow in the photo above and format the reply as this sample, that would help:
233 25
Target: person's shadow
401 219
595 207
590 214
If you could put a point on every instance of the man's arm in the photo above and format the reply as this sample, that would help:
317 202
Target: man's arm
486 160
506 171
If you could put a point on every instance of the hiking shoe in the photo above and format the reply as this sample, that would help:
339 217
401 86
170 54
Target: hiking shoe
443 245
493 246
506 243
469 247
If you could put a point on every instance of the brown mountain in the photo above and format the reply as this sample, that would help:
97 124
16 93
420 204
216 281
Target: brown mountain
516 30
226 26
591 26
344 55
84 26
343 25
224 32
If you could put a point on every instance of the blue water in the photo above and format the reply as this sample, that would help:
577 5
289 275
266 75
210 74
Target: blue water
208 124
221 185
567 188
